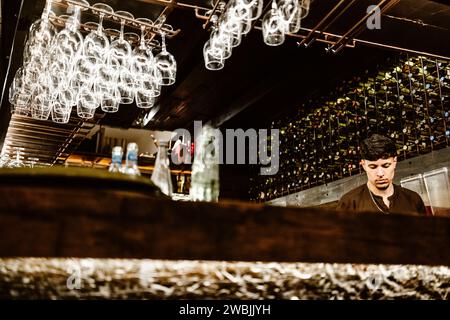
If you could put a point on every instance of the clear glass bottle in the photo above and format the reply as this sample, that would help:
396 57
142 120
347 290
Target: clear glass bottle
180 183
131 166
161 174
205 168
116 159
17 161
186 185
4 160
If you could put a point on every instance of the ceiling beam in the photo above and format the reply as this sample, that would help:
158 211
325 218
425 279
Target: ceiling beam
256 93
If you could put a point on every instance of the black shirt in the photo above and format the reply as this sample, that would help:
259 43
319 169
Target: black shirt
361 199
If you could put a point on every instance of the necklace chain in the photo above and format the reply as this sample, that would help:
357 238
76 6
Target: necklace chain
373 200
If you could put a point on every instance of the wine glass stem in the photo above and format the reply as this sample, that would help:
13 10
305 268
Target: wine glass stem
142 36
47 9
74 19
100 22
77 15
163 38
122 26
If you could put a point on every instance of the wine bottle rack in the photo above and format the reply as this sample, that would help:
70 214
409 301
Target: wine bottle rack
407 100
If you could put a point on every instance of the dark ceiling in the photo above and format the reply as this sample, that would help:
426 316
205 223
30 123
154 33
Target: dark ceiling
258 82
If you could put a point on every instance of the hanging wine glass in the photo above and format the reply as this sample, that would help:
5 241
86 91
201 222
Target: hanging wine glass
166 64
68 97
147 75
108 71
40 37
238 11
96 43
106 87
128 83
304 8
15 86
255 8
273 26
156 74
111 100
222 41
60 113
232 26
18 96
41 106
69 41
213 57
143 99
142 60
87 103
66 52
121 50
290 11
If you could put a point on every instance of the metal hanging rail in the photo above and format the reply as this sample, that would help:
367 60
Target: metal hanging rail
337 42
176 4
312 34
111 16
356 29
215 9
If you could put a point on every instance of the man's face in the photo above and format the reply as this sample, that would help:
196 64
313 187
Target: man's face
380 173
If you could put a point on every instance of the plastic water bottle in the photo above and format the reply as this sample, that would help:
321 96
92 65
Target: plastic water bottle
131 166
116 159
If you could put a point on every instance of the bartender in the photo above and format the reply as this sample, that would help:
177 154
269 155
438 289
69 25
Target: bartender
379 194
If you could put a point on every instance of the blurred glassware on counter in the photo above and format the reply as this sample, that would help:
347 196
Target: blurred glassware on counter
4 160
205 168
17 162
181 197
161 176
33 161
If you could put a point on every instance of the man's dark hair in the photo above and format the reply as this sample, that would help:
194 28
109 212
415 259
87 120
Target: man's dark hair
377 147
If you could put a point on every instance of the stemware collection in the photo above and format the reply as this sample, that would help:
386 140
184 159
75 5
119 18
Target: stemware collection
63 70
238 16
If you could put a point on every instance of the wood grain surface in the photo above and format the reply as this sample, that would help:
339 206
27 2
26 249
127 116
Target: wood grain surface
65 221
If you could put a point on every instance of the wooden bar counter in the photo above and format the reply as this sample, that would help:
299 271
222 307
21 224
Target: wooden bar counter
70 213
